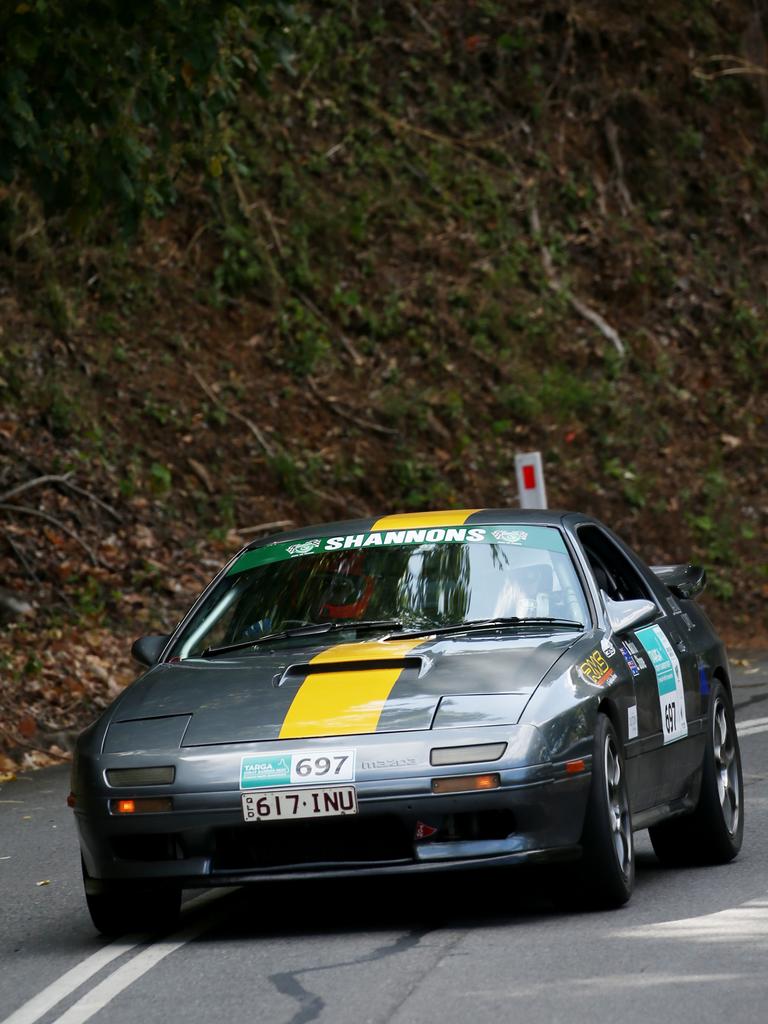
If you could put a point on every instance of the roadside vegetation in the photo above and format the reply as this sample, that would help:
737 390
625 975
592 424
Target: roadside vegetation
352 257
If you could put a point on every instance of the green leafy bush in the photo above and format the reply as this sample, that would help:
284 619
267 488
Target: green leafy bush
99 100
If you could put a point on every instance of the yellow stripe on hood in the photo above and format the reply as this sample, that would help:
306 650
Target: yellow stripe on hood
345 703
412 520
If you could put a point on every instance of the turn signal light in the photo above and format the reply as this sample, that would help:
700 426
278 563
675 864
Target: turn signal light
466 783
573 767
143 805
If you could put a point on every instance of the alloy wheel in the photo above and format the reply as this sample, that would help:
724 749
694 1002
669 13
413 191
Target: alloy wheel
726 767
618 807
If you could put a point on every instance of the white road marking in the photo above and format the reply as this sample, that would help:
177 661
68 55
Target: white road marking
115 983
749 921
67 983
752 726
587 988
39 1005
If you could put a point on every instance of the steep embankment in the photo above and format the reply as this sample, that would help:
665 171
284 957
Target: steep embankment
460 230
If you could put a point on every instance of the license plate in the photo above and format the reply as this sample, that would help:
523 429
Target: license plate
287 804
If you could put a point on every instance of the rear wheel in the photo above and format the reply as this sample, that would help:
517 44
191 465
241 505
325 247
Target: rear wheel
607 868
121 907
712 833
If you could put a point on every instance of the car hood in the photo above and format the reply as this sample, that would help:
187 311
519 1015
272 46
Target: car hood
335 690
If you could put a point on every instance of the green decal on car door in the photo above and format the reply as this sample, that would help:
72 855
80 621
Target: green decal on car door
669 681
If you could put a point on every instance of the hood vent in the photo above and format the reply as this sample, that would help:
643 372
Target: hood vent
297 673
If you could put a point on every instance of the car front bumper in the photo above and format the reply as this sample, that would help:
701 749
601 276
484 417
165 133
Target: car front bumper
402 826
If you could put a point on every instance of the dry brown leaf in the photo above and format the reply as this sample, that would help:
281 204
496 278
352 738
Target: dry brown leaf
27 726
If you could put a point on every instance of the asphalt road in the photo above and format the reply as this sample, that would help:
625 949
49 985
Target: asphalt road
690 946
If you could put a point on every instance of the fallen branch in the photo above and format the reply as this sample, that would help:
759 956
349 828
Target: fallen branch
195 238
467 145
13 605
565 54
278 524
21 558
336 407
600 323
612 136
61 481
741 66
557 286
355 356
202 474
91 497
273 228
350 509
30 746
417 16
332 499
25 510
247 209
38 481
265 445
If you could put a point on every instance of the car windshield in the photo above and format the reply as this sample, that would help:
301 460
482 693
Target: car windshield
413 579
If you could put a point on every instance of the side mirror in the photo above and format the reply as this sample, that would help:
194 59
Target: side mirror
686 581
626 615
147 649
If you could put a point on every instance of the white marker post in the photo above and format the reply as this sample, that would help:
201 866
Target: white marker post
530 480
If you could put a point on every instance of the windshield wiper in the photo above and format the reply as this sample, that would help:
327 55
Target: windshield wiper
478 624
308 629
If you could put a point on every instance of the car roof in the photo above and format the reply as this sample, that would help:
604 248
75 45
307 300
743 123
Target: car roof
421 520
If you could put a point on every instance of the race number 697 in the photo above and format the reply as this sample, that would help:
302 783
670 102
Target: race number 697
336 765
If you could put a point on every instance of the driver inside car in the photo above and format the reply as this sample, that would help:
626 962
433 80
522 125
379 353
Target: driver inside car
349 590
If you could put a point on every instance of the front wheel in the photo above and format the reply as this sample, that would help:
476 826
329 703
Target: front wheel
122 907
712 833
607 869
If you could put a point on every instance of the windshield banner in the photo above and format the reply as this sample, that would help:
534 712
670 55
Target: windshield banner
542 538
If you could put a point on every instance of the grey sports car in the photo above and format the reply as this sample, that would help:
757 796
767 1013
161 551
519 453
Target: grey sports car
415 693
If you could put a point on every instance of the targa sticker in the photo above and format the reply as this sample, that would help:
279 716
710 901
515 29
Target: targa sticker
669 681
296 768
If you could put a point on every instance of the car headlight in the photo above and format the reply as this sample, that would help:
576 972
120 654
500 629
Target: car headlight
141 776
468 754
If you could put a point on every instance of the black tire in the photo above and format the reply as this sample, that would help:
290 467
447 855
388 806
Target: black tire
123 908
713 832
607 867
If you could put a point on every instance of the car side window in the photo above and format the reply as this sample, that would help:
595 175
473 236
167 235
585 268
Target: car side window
613 571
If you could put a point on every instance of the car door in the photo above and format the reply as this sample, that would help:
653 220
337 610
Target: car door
659 756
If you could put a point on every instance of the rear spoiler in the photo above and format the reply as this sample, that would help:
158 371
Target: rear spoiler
686 581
